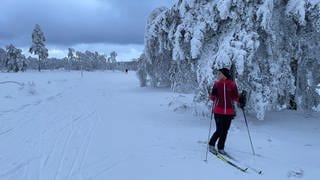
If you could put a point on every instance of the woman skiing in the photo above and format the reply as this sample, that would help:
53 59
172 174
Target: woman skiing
224 93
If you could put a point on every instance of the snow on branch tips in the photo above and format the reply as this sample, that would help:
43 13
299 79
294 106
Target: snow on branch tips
296 8
224 8
197 40
264 13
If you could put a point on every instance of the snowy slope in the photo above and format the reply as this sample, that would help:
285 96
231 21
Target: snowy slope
59 125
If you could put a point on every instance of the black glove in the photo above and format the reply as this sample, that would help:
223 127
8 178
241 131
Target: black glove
214 91
243 99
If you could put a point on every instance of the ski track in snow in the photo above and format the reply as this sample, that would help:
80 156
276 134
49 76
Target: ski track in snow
68 143
36 103
73 124
96 127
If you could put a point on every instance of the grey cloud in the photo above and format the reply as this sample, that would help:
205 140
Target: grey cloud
68 22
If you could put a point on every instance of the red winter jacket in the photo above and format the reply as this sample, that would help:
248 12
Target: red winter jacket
226 93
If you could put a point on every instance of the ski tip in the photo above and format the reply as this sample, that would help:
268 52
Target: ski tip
243 170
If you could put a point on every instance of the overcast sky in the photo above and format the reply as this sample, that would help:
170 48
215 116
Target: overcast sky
95 25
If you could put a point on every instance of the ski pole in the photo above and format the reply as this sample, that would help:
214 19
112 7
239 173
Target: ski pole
209 135
245 119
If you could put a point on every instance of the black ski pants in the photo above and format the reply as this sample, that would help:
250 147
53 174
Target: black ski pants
223 123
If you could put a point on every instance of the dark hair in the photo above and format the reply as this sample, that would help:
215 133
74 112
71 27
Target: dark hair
225 72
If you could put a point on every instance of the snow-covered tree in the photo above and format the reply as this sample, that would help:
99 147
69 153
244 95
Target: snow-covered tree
15 61
271 46
80 58
112 60
157 46
88 61
3 58
113 56
183 76
71 54
38 46
70 58
99 61
142 70
22 63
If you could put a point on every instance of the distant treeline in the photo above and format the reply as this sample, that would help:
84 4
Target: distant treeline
11 59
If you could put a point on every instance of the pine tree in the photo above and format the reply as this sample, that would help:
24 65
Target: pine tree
38 46
80 57
3 58
142 71
271 46
71 53
14 58
158 47
112 60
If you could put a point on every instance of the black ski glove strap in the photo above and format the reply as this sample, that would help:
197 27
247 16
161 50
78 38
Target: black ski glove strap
214 91
243 99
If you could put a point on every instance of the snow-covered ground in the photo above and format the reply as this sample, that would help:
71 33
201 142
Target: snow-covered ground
60 126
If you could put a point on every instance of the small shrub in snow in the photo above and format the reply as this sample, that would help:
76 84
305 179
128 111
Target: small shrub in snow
31 88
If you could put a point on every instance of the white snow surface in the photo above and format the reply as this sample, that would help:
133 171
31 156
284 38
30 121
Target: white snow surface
60 125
